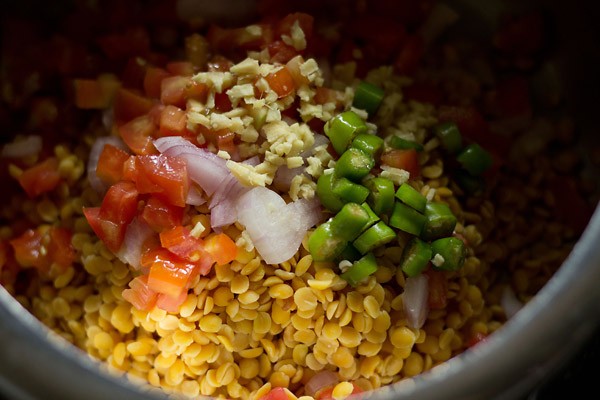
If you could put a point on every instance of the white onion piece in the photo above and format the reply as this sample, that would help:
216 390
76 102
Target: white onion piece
97 148
136 234
283 177
195 196
510 303
205 168
414 298
319 381
29 146
276 228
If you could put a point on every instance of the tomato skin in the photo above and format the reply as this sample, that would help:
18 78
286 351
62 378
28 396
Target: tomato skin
179 241
129 105
138 134
221 248
60 249
277 393
41 178
110 164
305 21
222 102
438 289
27 249
110 220
163 175
139 294
407 160
173 121
281 82
281 52
476 338
161 215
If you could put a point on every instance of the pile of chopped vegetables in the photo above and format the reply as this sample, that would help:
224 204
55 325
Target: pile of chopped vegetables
288 209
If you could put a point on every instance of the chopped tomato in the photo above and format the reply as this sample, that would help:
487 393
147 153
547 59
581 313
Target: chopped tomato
41 178
28 249
139 293
163 175
110 220
138 135
60 249
438 289
293 66
183 68
281 82
110 164
153 80
169 303
196 90
179 241
407 160
172 90
222 102
161 215
277 393
173 121
94 93
220 246
219 63
129 105
281 52
410 56
170 275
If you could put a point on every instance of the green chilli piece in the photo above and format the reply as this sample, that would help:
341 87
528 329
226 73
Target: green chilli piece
377 235
449 136
342 129
373 218
330 200
324 244
404 144
439 221
415 256
360 270
473 185
411 196
370 144
452 250
354 164
350 221
350 192
381 198
475 159
368 97
407 219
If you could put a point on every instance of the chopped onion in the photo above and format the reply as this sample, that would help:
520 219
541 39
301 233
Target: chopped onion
414 298
283 177
136 234
29 146
95 152
276 228
195 196
510 303
320 381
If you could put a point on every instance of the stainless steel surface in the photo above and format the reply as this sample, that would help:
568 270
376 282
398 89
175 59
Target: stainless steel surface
532 346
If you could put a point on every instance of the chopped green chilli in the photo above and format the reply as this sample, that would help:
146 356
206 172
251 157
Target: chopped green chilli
404 144
475 159
342 129
354 164
349 191
350 221
381 198
449 135
377 235
439 221
450 253
368 97
370 144
407 219
330 200
324 244
360 270
410 196
415 257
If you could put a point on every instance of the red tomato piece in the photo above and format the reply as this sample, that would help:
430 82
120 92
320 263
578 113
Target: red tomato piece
28 250
94 93
407 160
41 178
179 241
281 82
281 52
222 102
305 21
169 303
183 68
129 105
476 338
138 134
164 175
161 215
110 164
195 90
277 393
173 121
139 293
221 248
60 249
172 90
438 289
153 80
170 276
110 220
